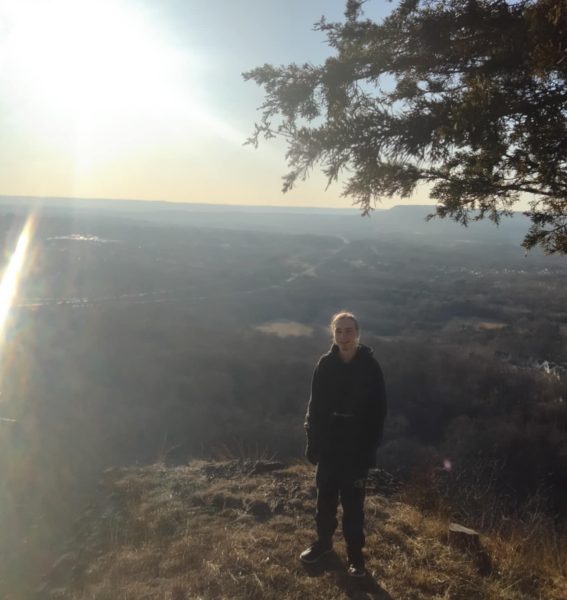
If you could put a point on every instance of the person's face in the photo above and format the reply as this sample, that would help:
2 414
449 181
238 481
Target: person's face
345 334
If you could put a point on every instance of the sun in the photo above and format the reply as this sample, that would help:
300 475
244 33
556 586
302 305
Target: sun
96 56
102 79
96 90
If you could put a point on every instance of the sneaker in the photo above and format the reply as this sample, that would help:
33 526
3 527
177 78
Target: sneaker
355 564
315 552
356 570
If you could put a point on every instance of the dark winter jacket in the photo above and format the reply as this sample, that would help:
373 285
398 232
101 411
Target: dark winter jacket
346 411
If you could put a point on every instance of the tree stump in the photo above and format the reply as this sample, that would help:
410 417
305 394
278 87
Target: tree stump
468 540
464 538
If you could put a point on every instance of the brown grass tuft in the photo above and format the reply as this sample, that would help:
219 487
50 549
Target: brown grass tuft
210 531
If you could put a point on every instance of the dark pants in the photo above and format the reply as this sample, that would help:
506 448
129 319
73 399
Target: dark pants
334 481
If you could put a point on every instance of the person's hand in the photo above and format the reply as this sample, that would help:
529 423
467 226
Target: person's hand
312 455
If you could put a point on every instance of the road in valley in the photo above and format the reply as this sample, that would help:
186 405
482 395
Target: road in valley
172 295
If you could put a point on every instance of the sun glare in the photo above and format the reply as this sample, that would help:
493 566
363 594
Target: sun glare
86 54
100 78
12 274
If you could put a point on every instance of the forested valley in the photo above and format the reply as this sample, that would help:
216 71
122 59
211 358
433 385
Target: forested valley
134 340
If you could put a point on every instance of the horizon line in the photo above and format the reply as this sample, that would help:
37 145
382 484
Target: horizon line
173 203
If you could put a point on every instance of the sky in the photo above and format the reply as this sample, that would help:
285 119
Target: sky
139 99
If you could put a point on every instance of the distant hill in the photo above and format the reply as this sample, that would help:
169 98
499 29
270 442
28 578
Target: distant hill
133 205
404 221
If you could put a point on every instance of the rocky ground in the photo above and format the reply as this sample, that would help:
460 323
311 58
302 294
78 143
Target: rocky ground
234 529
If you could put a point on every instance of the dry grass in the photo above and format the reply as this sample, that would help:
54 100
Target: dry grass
209 532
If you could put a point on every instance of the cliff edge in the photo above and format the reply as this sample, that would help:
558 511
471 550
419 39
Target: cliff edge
234 529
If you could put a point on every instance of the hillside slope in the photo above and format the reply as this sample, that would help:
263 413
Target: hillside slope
214 530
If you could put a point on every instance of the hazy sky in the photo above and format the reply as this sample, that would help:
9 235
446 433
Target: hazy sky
145 99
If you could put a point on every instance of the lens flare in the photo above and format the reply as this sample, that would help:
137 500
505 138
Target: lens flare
12 274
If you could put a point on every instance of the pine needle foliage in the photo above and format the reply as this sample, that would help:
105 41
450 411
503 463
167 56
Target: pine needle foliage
468 97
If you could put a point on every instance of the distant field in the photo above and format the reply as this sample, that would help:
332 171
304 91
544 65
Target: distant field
286 329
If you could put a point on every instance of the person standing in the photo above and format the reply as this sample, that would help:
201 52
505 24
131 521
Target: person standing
344 424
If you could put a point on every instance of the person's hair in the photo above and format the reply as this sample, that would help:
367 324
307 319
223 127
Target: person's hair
343 314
